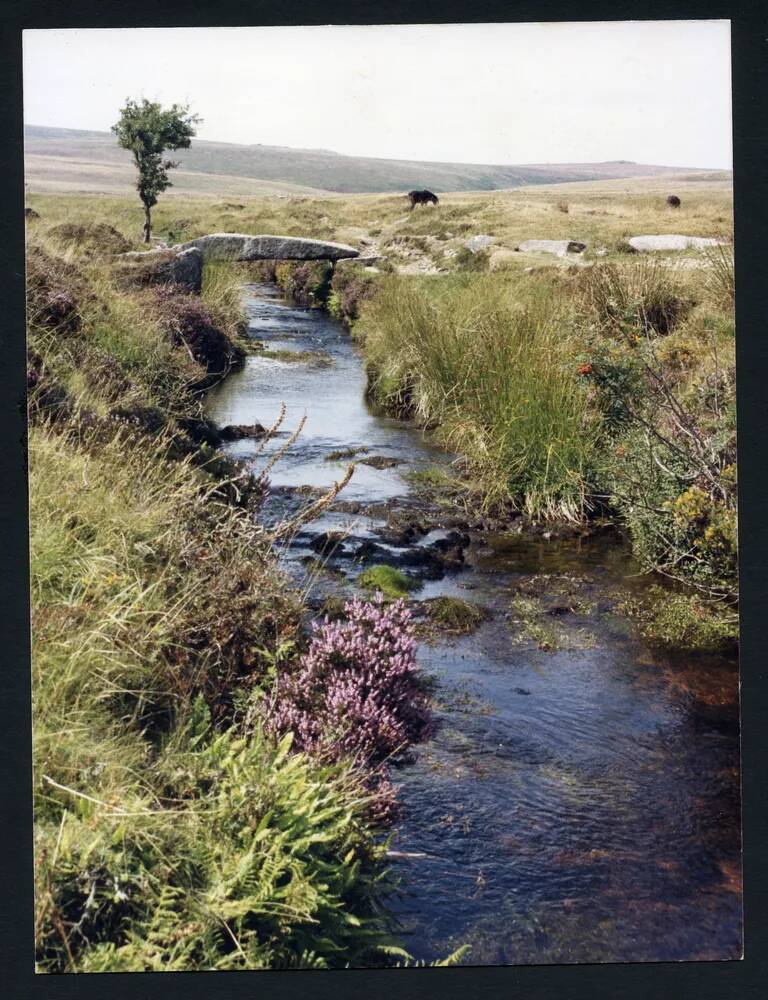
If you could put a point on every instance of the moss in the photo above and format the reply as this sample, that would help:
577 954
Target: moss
454 615
433 477
683 621
390 581
306 282
526 619
342 453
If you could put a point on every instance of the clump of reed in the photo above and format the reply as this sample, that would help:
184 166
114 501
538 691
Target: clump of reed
488 364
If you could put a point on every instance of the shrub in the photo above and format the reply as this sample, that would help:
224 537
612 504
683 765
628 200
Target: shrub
97 239
56 292
305 282
190 324
357 693
349 289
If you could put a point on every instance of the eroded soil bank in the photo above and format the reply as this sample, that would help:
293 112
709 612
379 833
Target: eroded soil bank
580 798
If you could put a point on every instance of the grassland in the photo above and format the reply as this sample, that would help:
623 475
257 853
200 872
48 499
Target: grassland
599 213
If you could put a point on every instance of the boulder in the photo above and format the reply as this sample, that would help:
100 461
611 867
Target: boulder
240 246
558 247
645 244
475 243
241 432
183 268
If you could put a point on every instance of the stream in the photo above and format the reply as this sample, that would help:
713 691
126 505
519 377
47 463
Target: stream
578 802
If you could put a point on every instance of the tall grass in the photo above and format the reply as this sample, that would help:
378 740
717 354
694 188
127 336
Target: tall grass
490 364
157 616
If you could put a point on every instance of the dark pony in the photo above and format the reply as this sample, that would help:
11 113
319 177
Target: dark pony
422 198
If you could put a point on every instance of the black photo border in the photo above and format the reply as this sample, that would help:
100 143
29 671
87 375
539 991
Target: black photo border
734 980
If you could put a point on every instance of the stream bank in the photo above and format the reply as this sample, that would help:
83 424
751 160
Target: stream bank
580 798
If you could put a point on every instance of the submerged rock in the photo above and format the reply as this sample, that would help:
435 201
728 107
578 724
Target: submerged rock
240 432
379 462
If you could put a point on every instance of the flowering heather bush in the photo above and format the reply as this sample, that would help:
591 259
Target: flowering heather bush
187 321
357 693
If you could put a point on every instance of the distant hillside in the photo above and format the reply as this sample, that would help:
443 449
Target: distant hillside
71 159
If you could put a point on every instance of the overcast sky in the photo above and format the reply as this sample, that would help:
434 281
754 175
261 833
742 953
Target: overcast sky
653 92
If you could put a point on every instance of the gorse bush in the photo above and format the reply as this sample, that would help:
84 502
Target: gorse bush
668 407
489 364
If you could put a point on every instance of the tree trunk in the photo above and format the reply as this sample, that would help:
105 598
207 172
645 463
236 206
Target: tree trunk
147 223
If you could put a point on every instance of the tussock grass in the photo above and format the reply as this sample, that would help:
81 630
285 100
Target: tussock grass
644 296
489 365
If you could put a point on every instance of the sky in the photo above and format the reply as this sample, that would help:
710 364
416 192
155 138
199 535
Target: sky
655 92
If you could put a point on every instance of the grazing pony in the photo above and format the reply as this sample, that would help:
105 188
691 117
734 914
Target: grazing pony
673 201
422 198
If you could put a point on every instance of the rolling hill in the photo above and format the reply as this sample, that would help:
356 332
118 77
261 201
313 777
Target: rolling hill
58 159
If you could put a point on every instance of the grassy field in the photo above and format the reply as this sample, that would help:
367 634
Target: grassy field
598 213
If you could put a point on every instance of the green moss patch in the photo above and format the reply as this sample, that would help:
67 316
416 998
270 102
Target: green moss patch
390 581
683 621
453 614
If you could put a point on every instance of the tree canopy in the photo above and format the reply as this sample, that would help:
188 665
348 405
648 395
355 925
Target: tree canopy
148 130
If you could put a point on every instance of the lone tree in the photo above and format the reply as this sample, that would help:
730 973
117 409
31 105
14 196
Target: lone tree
148 130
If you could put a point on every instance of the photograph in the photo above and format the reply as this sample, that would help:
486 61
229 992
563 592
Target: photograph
381 449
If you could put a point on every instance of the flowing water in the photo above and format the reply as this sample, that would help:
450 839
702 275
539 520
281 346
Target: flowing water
578 802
